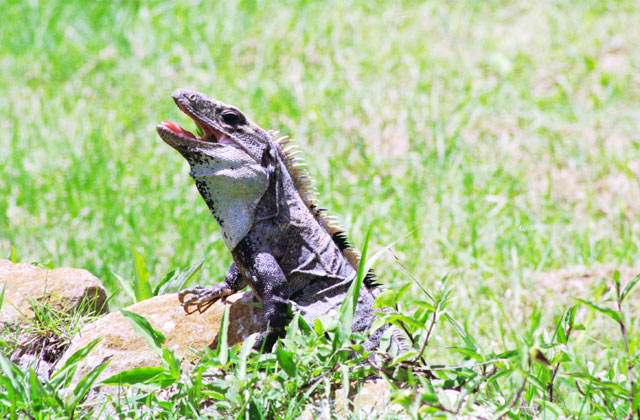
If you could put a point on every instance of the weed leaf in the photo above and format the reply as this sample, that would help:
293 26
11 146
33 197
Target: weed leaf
143 328
63 376
181 279
285 358
84 386
141 283
136 376
628 287
606 311
126 286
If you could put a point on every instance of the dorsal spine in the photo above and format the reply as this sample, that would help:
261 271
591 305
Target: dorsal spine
304 185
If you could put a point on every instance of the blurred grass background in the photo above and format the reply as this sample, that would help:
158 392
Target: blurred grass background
504 136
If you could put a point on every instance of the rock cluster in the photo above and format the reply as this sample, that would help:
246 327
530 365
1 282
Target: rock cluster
67 289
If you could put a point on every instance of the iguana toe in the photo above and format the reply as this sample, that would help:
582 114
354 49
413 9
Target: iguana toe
201 298
191 291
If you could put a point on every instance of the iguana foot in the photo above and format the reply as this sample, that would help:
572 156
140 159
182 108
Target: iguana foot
202 297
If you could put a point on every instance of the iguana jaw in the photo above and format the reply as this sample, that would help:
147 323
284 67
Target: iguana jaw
178 137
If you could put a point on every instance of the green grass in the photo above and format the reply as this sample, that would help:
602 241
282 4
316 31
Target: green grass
503 136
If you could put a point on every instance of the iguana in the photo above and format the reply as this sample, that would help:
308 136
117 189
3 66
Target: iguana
283 245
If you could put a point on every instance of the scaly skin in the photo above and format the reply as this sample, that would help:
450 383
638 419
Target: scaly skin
280 247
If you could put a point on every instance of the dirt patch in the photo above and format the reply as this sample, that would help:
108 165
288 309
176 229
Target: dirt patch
561 287
609 193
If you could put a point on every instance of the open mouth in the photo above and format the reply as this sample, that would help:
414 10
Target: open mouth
210 134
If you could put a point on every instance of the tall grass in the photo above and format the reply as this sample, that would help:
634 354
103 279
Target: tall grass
502 136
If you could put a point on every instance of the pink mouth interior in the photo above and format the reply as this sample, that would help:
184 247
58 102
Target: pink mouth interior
179 130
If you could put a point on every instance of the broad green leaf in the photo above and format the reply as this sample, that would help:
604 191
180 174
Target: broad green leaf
402 290
560 356
571 316
13 374
386 299
143 328
562 337
303 325
606 311
135 376
378 322
169 276
404 397
534 381
636 400
345 379
613 386
63 376
198 131
404 356
318 328
292 329
126 286
468 352
628 287
470 342
245 350
182 279
285 359
507 354
84 386
141 283
13 256
170 361
214 394
423 304
616 279
36 390
406 320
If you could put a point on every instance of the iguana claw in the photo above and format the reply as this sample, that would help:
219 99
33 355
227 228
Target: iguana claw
201 297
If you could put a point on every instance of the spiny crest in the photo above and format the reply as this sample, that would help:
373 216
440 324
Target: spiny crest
304 184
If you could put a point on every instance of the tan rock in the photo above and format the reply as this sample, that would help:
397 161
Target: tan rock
63 289
182 332
373 398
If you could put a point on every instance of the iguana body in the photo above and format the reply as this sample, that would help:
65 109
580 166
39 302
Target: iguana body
283 247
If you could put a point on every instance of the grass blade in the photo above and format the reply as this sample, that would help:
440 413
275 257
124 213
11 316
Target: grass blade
223 346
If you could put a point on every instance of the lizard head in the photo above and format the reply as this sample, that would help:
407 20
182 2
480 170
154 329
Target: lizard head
232 162
222 126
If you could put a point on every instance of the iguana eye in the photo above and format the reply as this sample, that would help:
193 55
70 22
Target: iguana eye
232 118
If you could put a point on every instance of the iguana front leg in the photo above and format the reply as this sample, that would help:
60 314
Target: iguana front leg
203 297
269 282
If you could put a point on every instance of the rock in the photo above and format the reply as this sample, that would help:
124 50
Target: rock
63 289
182 332
372 399
39 366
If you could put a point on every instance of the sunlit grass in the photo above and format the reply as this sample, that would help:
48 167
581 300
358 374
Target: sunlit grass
503 136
